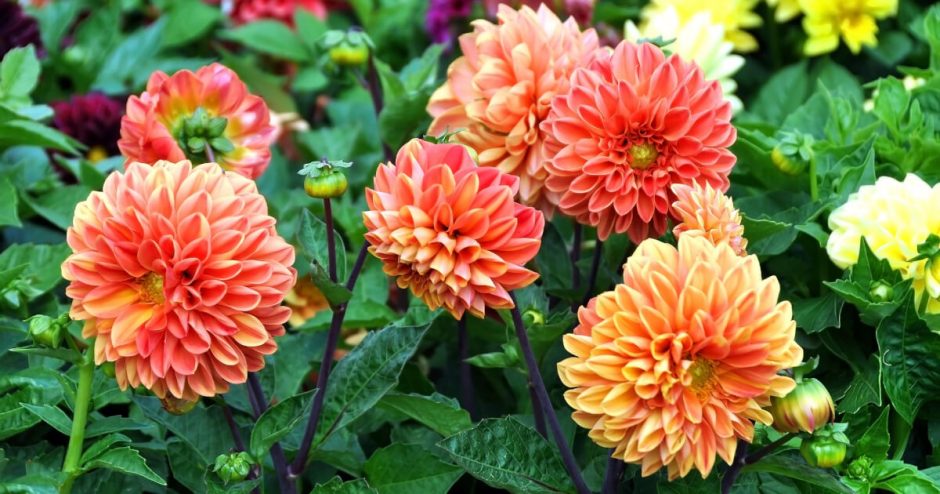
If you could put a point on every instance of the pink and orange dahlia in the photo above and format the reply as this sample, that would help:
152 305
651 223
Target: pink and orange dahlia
245 11
499 91
178 274
450 230
204 116
674 365
706 212
632 124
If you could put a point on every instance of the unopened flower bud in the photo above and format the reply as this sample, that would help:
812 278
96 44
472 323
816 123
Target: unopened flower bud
860 468
880 291
233 467
805 409
823 451
47 331
533 317
324 179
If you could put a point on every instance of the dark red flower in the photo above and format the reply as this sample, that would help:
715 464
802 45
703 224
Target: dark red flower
93 119
17 28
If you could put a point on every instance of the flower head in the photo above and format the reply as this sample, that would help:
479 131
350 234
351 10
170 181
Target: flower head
806 408
676 364
305 300
632 124
854 20
179 274
93 119
502 87
695 39
245 11
17 28
893 218
450 230
199 116
734 15
706 212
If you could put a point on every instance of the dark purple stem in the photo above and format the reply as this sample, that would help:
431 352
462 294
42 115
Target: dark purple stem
466 378
542 401
375 89
612 476
259 404
332 338
237 437
537 416
330 237
595 265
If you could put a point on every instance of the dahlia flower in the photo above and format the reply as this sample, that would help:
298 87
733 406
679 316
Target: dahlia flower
199 116
734 15
894 218
450 230
632 124
706 212
441 13
178 274
698 40
245 11
17 29
674 365
93 119
305 301
502 87
784 10
854 20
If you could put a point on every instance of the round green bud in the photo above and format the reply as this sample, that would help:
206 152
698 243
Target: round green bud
823 451
880 292
346 54
233 467
46 331
328 185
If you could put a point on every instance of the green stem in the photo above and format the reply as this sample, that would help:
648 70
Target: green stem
86 374
813 180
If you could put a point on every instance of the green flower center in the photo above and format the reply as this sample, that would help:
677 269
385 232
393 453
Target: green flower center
642 155
151 289
202 137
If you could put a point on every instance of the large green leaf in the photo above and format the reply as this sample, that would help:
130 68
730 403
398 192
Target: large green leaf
101 446
553 261
30 133
311 234
54 416
19 73
36 386
337 486
363 377
126 460
43 266
271 37
865 387
793 466
123 62
508 455
911 371
438 412
8 204
199 427
189 20
58 206
875 442
410 469
278 421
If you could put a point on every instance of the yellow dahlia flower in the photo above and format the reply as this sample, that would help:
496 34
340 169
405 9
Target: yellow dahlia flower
675 364
853 20
784 10
894 218
697 39
734 15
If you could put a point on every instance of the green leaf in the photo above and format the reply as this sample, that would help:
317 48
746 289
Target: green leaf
187 465
553 261
309 28
137 50
19 73
54 416
8 204
911 371
337 486
108 425
363 376
271 37
409 469
793 466
36 386
199 428
278 421
102 445
189 20
864 389
32 484
335 293
126 460
792 81
43 271
65 354
767 237
505 454
27 132
875 442
816 314
404 117
891 102
58 206
901 478
311 234
438 412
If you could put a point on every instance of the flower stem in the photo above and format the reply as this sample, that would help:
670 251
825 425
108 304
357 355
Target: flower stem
372 84
542 400
237 437
210 155
727 482
613 474
326 363
813 180
537 416
595 265
766 450
330 237
86 374
259 404
466 377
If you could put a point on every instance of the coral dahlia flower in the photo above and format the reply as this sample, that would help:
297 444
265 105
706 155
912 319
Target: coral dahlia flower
674 365
450 230
178 274
632 124
502 87
203 116
706 212
245 11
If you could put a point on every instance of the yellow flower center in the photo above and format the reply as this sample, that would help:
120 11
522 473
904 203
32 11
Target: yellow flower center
703 374
643 155
151 288
96 154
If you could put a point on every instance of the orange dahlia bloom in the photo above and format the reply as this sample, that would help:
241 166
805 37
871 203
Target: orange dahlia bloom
161 122
450 230
305 300
675 364
179 275
632 124
502 87
706 212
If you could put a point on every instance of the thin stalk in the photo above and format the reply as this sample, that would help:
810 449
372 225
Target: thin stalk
542 400
374 86
613 474
259 404
237 437
330 237
210 155
766 450
537 416
326 363
595 265
466 377
813 180
574 256
86 374
727 482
